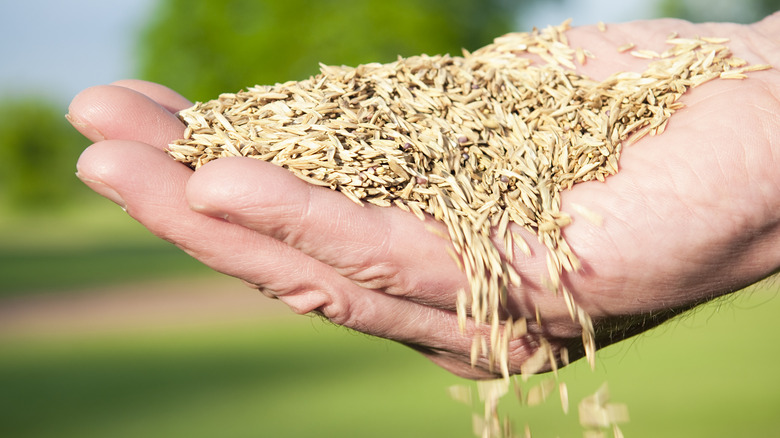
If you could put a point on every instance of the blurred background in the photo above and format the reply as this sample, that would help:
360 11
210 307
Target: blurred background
107 331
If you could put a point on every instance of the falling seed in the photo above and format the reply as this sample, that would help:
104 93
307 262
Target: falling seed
540 392
563 390
460 393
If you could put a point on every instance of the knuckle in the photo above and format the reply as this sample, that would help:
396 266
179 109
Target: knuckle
332 306
340 313
305 302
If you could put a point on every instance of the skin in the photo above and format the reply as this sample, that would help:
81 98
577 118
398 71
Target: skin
693 214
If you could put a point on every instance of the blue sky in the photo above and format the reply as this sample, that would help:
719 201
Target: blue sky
57 48
585 12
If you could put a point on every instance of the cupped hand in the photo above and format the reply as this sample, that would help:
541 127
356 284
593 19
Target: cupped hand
693 213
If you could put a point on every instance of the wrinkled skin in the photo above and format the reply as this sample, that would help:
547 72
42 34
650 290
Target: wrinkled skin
692 215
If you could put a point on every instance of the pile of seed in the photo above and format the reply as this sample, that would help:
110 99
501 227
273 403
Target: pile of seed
476 141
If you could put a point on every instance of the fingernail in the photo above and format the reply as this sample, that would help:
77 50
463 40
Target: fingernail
104 190
85 129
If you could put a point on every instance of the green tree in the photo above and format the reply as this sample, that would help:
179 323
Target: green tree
207 47
39 150
698 11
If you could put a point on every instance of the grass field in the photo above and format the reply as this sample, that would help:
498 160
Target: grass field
710 373
91 244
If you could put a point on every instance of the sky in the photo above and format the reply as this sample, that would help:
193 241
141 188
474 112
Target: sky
583 12
55 48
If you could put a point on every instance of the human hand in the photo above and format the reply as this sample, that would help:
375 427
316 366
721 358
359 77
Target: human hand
693 213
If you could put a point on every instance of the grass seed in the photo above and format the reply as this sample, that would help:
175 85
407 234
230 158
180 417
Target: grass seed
475 141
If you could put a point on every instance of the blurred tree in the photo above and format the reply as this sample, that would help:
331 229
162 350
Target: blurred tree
745 11
39 150
204 48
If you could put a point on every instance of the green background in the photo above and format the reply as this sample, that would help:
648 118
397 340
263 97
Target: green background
711 372
708 374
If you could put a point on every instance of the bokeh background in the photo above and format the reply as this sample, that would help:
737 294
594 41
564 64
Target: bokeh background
106 331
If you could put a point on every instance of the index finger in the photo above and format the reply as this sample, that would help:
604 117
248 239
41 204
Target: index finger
113 112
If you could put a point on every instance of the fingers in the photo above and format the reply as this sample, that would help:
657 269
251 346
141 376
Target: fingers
108 112
150 185
378 248
167 98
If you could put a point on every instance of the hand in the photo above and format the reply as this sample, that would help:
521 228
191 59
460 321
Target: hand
693 214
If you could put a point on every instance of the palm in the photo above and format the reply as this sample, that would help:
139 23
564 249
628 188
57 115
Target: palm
681 219
712 158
